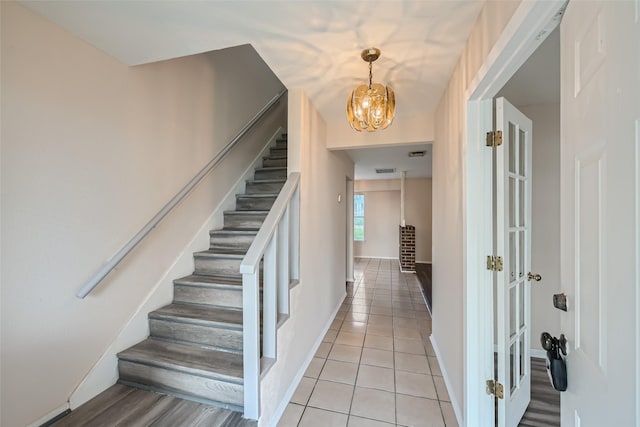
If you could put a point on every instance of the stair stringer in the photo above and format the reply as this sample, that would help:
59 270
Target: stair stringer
104 373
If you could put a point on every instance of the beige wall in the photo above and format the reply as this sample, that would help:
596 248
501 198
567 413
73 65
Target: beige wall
381 221
417 212
382 217
545 216
314 302
448 196
405 130
91 150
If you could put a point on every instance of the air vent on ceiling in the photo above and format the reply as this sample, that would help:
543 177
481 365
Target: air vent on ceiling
417 153
386 170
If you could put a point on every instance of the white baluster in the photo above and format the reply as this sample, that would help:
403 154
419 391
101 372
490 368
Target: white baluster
283 263
270 298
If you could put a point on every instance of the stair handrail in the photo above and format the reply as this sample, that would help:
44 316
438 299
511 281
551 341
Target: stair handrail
278 244
186 190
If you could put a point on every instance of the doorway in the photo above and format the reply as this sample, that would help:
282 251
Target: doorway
531 25
535 90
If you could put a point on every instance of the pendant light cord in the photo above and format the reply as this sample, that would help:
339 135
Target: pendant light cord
370 74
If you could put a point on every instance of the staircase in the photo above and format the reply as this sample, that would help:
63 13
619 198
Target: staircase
194 350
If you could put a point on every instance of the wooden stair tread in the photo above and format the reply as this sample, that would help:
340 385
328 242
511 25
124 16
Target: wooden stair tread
246 212
210 281
223 253
267 181
191 359
203 315
257 196
233 232
272 168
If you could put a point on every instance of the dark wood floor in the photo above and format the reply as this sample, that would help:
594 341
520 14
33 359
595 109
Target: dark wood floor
544 408
423 271
120 405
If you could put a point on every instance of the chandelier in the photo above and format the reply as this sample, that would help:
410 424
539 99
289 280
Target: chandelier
372 106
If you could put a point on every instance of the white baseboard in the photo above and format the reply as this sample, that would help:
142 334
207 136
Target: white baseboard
298 377
423 262
105 372
454 402
51 415
376 257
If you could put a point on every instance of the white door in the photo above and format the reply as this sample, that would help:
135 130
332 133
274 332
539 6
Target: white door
600 159
513 243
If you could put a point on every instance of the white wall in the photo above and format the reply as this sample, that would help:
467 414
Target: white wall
545 236
382 216
322 287
91 150
448 197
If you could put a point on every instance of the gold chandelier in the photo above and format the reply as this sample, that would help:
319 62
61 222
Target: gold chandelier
372 106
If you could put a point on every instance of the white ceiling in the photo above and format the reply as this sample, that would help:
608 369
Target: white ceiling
314 45
367 160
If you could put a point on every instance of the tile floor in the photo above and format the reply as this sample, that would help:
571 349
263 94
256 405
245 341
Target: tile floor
375 366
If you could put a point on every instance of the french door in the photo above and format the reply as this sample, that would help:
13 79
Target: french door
513 243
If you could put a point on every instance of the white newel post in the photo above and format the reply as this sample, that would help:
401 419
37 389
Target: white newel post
251 342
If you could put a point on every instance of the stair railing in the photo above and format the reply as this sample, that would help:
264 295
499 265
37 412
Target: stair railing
186 190
277 248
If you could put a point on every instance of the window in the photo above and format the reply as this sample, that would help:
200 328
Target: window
358 217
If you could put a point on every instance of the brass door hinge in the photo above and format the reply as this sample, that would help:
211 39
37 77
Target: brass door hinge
494 263
494 138
495 388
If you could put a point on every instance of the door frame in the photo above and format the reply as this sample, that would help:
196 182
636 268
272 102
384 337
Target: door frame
531 23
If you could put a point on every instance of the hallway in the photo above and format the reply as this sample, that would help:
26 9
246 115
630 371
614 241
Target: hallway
376 366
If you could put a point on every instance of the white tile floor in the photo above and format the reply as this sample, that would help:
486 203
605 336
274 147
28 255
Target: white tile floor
376 366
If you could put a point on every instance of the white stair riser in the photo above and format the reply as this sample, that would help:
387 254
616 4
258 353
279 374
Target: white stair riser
182 382
227 339
231 298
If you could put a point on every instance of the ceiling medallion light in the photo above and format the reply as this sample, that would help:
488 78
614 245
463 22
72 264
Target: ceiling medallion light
372 106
